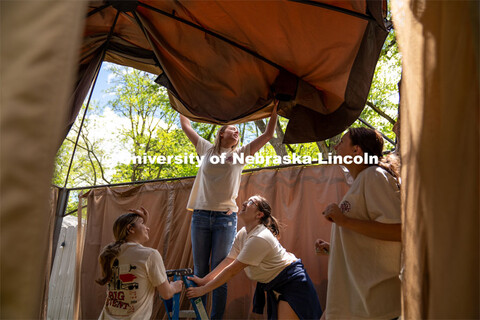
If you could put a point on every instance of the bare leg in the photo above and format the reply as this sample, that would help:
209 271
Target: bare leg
285 311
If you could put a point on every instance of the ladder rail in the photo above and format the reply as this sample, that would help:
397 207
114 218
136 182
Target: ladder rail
172 305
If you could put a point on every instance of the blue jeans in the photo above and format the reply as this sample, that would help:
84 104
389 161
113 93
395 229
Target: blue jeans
212 235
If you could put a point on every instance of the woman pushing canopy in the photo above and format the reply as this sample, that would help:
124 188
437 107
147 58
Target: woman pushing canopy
213 198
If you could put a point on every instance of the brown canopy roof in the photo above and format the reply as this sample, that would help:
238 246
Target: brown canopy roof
224 61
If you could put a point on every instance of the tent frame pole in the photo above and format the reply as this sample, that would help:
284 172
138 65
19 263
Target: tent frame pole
337 9
62 202
135 15
216 35
97 72
65 192
373 128
97 10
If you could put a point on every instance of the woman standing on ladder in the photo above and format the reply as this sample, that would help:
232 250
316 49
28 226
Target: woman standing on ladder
214 219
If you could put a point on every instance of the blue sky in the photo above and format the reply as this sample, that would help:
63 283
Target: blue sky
102 84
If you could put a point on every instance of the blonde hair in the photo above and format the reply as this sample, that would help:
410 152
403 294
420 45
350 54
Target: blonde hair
218 139
111 251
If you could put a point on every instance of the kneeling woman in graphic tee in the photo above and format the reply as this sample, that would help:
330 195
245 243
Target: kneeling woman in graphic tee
131 271
290 292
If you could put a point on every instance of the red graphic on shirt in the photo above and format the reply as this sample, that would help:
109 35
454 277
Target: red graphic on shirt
122 288
127 277
345 206
116 299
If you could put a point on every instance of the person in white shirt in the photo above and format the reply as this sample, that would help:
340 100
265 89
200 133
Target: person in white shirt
213 198
364 255
132 272
256 250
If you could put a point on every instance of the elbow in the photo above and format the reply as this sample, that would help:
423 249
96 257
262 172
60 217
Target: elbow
267 136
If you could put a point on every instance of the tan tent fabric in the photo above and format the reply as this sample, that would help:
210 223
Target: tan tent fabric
224 61
39 49
439 41
54 193
298 196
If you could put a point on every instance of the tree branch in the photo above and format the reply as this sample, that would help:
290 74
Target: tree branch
380 112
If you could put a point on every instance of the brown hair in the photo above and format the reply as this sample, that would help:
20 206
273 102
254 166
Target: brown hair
111 251
267 220
218 139
371 142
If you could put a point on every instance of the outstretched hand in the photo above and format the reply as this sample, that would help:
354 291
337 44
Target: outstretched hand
194 292
199 291
275 107
177 286
333 214
142 212
198 281
322 248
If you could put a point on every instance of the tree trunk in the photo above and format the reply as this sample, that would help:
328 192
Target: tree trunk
276 143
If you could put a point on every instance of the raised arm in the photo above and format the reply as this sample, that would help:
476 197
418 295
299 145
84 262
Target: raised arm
258 143
216 281
187 128
168 289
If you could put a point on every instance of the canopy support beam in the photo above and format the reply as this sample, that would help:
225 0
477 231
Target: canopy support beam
372 127
337 9
142 27
216 35
62 202
97 72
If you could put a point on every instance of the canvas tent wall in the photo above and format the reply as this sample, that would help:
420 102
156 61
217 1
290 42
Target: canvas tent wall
39 54
440 142
295 193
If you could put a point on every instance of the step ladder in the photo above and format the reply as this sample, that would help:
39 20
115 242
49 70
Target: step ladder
173 305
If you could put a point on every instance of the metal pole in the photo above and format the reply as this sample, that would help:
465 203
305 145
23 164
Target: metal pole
90 96
62 202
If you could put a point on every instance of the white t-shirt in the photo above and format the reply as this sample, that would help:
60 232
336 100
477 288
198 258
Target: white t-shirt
363 274
262 252
137 271
216 185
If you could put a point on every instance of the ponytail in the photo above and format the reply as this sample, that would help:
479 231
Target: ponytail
272 224
391 164
106 259
267 220
111 251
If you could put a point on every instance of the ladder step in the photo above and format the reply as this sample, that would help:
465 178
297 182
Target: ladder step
184 314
